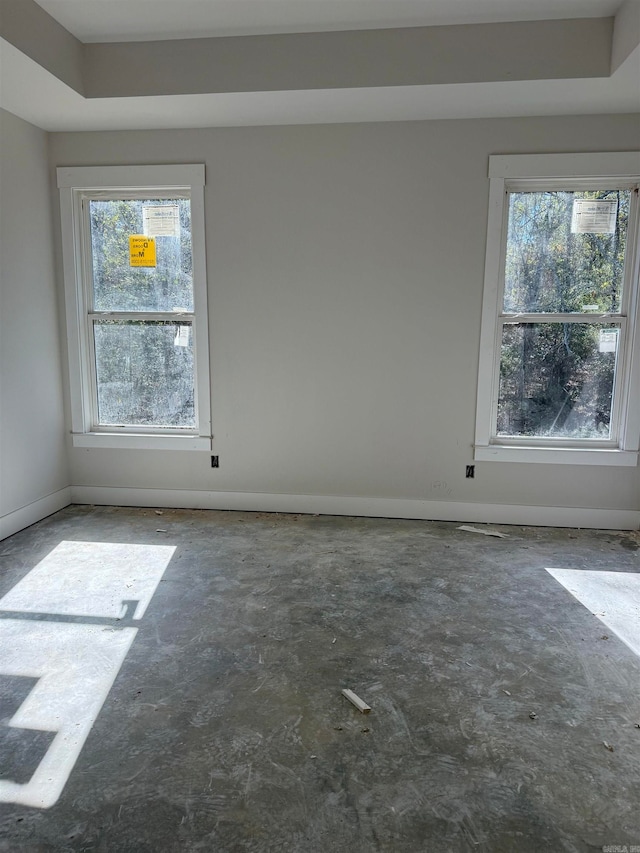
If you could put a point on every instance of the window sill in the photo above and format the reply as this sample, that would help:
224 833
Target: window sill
555 455
140 441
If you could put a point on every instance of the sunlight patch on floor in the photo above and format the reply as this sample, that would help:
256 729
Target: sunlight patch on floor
68 625
614 597
91 579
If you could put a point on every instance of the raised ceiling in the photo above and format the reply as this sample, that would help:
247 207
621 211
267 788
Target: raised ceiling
142 20
128 64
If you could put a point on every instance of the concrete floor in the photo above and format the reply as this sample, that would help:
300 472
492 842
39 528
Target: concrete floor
225 729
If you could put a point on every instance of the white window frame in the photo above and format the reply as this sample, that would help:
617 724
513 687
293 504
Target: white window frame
536 172
77 184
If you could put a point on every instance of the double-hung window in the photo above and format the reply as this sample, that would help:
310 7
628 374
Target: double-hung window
559 373
133 248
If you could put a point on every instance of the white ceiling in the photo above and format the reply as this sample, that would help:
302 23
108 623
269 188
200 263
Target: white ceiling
30 91
42 99
133 20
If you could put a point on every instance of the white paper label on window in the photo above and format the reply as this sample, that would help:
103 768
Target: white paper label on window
594 217
161 220
608 340
182 337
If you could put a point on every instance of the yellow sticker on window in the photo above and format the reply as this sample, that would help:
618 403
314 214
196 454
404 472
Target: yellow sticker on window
142 251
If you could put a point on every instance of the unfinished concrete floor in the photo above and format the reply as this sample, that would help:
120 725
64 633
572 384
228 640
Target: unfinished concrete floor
225 728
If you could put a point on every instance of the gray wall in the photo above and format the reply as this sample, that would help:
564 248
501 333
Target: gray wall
33 460
345 273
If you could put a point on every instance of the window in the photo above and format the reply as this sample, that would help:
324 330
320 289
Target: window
133 248
559 363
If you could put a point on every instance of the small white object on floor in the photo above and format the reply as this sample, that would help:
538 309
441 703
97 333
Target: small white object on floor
471 529
356 700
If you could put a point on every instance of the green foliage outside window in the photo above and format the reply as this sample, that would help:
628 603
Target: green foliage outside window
557 378
144 367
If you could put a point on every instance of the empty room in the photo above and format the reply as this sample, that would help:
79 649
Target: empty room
319 426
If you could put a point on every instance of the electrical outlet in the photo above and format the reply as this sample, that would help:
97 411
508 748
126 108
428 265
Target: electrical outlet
215 462
471 472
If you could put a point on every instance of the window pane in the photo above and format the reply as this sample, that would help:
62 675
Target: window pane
556 379
144 373
565 251
119 286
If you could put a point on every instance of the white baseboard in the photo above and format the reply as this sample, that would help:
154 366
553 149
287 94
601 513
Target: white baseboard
17 520
605 519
